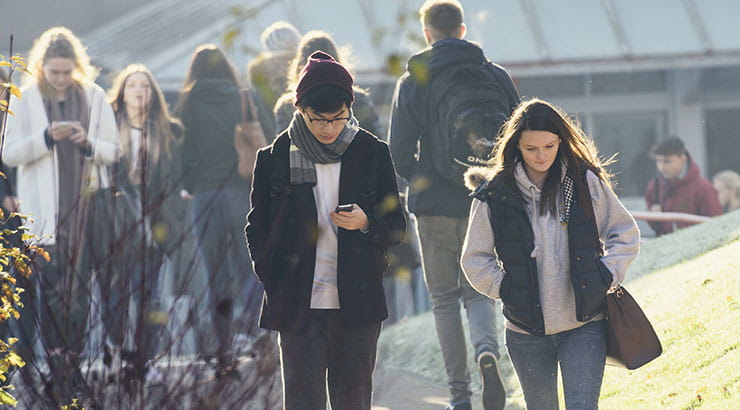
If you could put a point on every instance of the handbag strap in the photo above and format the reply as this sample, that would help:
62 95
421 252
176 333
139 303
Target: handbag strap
248 106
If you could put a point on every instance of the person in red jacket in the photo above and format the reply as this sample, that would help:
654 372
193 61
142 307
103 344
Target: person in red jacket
679 186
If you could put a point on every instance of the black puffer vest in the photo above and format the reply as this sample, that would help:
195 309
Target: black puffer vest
519 290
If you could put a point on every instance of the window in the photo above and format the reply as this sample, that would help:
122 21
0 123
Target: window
630 136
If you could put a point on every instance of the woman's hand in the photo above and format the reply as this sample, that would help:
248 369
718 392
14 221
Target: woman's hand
79 136
352 220
61 130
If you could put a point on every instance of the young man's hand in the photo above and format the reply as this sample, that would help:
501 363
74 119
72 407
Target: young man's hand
352 220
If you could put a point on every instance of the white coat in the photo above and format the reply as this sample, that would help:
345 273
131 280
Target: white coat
38 170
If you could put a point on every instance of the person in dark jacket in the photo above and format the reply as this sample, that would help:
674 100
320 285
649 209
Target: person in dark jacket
549 237
146 181
325 209
210 109
679 186
441 207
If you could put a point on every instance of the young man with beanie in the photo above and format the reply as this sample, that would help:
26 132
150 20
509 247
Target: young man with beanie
325 209
441 205
679 186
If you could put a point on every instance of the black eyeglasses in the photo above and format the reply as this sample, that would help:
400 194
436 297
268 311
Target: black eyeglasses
324 122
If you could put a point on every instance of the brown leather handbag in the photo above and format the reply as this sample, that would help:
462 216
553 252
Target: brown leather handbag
631 340
248 136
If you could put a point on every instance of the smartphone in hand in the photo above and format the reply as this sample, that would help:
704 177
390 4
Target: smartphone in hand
344 208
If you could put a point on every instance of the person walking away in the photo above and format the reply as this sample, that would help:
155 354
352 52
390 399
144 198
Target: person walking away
268 72
548 236
446 113
210 109
325 209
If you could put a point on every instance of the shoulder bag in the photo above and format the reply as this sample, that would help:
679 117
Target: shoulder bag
248 136
631 341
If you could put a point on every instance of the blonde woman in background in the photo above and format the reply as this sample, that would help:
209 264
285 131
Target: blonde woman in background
63 131
727 184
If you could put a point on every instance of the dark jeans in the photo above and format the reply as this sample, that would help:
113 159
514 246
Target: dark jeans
321 349
581 354
233 289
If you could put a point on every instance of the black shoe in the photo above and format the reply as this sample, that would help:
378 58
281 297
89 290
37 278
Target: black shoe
494 393
460 406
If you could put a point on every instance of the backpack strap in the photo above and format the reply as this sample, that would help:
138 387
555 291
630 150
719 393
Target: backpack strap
505 80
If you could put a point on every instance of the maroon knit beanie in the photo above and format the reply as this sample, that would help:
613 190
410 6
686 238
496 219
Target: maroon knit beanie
321 69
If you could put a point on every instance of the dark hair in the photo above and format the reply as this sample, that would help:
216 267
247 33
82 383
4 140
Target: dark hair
326 99
209 61
442 17
576 150
669 146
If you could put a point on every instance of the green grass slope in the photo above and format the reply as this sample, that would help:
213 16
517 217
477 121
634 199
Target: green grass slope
688 288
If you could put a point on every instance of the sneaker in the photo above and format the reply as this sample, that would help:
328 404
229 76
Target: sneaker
463 405
494 393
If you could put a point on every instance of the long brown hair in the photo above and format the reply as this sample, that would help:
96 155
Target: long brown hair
158 121
576 150
59 42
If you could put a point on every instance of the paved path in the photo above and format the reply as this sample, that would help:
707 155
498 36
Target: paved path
395 389
401 390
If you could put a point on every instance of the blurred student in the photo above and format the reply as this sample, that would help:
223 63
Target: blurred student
210 109
679 186
316 40
268 72
547 198
146 178
727 184
63 133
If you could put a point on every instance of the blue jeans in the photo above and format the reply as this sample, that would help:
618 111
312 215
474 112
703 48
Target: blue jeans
581 354
233 289
441 244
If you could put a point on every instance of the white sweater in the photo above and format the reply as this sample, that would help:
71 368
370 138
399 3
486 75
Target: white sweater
617 231
38 174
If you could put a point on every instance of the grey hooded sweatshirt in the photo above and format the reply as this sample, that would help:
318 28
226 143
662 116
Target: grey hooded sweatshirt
618 233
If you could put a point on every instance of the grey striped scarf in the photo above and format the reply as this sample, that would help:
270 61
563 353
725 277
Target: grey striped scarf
306 151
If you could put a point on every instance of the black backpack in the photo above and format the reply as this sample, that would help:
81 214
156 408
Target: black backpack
469 103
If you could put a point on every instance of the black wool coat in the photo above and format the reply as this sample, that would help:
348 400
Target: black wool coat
282 233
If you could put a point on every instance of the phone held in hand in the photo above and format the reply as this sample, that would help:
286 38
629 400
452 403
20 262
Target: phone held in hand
344 208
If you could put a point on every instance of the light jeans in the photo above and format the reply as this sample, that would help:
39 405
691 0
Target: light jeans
581 354
441 243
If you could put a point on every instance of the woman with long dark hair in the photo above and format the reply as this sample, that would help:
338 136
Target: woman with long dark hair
210 109
549 237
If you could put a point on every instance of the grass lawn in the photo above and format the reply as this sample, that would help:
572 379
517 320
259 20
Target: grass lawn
695 308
